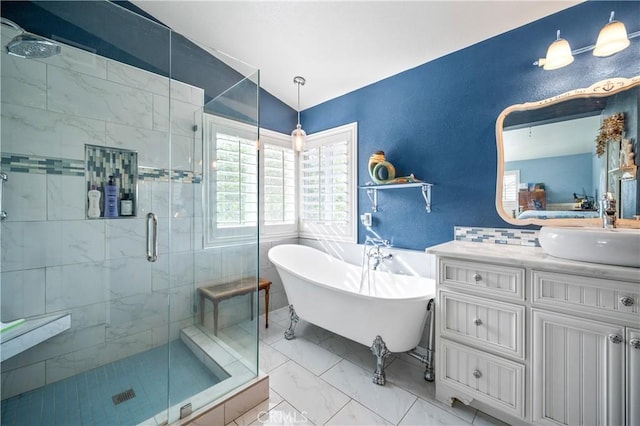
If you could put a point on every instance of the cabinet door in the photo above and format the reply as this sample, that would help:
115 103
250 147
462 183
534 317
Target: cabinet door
633 377
578 371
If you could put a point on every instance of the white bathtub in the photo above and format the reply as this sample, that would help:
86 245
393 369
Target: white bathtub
327 292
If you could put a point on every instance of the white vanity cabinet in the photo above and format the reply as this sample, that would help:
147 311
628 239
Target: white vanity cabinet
531 339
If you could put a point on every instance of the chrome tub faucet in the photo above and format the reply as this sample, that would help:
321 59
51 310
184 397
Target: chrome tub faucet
375 255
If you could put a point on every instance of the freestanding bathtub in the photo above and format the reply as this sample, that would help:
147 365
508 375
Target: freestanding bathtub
385 311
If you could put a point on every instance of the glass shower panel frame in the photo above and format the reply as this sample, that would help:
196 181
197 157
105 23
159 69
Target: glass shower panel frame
232 350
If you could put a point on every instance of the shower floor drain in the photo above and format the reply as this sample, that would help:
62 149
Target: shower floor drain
123 396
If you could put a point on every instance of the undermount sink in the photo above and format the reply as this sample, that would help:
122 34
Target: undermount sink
598 245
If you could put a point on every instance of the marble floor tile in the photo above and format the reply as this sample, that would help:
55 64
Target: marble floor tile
355 413
311 396
238 338
272 334
282 414
353 351
258 411
458 409
423 413
410 376
483 419
270 358
311 332
388 401
280 316
307 354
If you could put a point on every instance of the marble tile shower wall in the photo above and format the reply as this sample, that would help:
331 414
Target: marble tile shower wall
53 258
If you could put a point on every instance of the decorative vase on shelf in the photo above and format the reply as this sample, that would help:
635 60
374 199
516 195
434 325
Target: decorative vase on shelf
377 166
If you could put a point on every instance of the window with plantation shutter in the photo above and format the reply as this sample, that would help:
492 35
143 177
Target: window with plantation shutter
230 181
510 183
279 185
245 188
328 184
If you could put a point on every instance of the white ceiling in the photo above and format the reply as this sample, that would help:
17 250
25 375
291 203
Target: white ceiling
341 46
552 140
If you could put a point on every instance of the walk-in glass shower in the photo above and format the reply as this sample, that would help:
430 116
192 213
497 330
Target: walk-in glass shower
118 140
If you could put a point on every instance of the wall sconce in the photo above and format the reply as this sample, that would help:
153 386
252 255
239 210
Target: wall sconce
612 39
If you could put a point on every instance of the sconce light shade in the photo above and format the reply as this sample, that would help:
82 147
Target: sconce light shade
558 54
611 39
298 137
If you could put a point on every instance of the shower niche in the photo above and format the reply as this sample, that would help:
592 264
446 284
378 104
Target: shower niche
111 176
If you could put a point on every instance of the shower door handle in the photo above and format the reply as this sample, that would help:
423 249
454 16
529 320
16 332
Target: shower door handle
3 179
152 237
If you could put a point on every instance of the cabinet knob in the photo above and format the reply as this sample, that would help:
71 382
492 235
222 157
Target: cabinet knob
477 374
477 277
614 338
626 301
477 321
635 343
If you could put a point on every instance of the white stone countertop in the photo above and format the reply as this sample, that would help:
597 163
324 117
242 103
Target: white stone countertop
533 257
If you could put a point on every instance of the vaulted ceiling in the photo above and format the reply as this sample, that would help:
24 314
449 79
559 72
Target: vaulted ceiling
340 46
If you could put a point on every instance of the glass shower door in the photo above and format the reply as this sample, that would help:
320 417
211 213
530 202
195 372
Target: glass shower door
103 247
85 127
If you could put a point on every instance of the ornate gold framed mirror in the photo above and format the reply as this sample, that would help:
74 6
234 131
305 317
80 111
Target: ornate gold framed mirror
558 156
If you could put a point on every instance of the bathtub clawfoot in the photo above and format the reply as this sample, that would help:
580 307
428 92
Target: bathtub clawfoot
379 349
288 334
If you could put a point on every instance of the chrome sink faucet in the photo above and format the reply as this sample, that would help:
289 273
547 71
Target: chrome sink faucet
375 255
608 211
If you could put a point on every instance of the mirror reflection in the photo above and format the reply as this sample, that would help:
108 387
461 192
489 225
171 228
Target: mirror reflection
552 167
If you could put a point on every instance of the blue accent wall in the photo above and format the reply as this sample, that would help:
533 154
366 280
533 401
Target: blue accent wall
562 176
438 120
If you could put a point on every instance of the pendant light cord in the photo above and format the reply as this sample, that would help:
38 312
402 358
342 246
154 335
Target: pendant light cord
298 83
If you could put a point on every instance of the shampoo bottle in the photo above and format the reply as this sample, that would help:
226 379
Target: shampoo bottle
111 199
94 202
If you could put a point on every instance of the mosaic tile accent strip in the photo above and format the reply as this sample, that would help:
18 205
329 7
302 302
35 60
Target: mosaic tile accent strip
517 237
162 175
41 165
67 167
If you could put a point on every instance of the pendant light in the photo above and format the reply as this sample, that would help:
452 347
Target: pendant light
612 38
558 55
298 135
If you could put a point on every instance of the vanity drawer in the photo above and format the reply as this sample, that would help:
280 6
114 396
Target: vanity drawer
486 323
487 378
614 299
498 280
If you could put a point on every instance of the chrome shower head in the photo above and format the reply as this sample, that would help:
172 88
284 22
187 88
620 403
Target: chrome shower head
27 45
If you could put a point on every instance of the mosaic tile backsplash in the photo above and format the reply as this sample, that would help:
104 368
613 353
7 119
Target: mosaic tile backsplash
102 162
517 237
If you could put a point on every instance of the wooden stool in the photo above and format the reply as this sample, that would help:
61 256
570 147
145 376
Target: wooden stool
218 293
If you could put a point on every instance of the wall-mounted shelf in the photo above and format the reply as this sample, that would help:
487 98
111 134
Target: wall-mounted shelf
372 192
